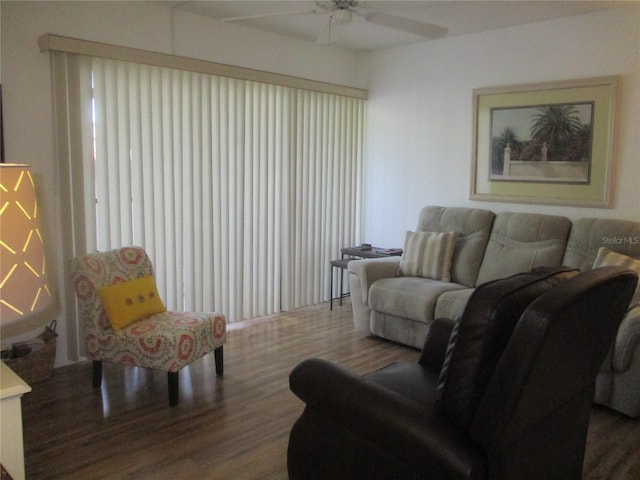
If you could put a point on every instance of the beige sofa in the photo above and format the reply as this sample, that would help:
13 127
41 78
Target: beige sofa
491 246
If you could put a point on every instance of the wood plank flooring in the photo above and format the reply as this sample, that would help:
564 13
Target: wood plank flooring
233 427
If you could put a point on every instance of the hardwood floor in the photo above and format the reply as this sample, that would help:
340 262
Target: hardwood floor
234 427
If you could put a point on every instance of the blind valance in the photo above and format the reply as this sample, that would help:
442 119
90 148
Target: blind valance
57 43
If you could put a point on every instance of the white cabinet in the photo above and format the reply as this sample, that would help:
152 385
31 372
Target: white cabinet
12 387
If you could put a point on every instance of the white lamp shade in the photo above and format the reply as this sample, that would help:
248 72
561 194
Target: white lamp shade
23 274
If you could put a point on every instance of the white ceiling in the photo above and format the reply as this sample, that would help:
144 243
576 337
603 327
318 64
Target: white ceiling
304 19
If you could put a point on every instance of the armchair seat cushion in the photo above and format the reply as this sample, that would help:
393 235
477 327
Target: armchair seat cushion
164 341
411 380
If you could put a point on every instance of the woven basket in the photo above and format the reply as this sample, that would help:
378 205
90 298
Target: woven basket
37 366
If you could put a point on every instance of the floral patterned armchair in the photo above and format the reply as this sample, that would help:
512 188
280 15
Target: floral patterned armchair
163 341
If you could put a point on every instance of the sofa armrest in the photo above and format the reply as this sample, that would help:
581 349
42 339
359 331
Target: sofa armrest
627 340
372 269
403 428
362 274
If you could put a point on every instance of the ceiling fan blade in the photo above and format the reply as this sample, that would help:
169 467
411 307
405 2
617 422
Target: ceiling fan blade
267 15
407 25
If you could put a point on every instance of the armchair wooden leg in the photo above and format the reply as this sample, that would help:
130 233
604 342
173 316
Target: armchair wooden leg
219 358
174 390
96 379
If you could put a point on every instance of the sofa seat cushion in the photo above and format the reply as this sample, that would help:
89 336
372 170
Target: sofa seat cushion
451 304
408 297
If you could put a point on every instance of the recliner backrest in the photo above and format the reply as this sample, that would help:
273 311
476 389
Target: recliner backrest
473 226
479 338
534 414
555 352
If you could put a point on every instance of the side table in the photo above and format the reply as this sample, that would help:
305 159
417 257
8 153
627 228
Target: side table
352 253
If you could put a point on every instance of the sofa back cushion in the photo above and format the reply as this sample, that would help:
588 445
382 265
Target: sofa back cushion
480 337
472 225
589 234
520 242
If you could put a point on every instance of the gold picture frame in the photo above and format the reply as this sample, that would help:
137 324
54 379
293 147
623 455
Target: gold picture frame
546 143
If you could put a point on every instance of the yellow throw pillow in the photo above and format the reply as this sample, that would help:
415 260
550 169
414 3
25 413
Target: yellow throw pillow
130 301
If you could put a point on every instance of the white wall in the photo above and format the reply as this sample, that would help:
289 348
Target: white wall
419 131
26 83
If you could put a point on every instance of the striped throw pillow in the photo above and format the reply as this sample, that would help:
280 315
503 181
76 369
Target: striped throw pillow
609 258
428 255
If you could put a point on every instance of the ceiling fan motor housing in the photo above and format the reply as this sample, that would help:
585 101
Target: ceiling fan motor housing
344 5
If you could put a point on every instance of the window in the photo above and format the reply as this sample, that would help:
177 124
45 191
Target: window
240 191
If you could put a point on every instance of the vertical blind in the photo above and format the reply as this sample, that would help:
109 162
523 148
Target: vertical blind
241 192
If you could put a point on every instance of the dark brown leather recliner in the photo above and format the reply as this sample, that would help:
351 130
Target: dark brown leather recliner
511 400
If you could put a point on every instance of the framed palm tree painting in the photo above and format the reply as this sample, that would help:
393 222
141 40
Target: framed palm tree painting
545 143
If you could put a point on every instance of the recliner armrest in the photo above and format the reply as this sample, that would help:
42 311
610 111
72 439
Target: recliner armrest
406 429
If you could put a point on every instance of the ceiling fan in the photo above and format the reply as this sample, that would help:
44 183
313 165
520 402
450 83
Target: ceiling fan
340 13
